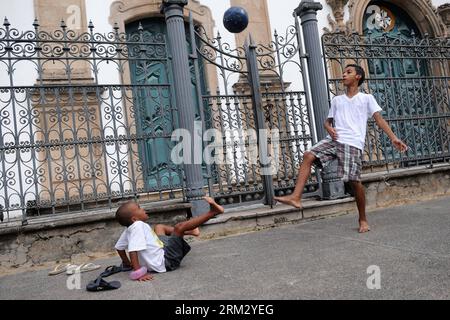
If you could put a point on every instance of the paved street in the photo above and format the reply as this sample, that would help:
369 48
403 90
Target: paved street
323 259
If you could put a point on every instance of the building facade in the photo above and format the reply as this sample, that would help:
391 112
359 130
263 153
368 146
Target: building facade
92 94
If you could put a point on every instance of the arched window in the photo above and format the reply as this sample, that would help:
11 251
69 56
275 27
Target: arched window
401 79
382 19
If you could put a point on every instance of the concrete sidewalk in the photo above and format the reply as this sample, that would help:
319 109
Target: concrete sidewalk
322 259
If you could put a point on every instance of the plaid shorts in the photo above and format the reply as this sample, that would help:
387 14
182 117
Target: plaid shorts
349 158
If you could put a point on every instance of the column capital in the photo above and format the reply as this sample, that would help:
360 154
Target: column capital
306 6
167 3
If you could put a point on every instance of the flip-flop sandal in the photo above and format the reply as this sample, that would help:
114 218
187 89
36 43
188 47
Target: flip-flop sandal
60 268
110 270
85 267
100 284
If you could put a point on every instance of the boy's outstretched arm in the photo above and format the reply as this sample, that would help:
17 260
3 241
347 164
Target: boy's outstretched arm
382 124
136 266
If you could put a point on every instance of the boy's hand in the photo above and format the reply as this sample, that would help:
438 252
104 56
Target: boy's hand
400 145
333 133
147 277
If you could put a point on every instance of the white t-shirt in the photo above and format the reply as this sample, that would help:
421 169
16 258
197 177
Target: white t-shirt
141 238
350 117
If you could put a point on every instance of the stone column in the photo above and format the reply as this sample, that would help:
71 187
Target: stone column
65 169
332 186
50 14
261 32
173 11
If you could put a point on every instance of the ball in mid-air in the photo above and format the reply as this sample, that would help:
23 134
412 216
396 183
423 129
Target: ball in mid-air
235 19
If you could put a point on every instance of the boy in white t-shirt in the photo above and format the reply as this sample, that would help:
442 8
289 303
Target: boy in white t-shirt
161 249
346 140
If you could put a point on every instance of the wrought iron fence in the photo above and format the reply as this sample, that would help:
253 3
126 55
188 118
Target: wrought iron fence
245 102
288 110
77 130
87 118
410 79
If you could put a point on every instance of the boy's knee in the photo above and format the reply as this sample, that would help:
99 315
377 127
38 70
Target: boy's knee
179 228
356 184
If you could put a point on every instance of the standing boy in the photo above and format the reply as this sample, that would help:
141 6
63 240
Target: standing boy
346 140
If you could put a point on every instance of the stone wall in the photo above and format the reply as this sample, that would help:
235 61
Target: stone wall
406 186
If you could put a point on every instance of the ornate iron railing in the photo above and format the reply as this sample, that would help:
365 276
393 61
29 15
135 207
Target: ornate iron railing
410 78
233 109
77 130
87 118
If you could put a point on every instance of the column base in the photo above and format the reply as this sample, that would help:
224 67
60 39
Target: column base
333 190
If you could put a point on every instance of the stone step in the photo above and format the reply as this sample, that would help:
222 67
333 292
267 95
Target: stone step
255 217
166 212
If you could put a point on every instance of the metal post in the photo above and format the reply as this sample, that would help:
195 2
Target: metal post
332 186
173 11
252 66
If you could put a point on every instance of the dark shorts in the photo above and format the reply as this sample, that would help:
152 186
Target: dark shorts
175 248
349 158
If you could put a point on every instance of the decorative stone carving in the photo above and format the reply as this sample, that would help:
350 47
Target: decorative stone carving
337 24
444 12
423 13
123 12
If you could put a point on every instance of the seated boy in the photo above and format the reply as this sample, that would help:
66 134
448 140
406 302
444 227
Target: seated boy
161 249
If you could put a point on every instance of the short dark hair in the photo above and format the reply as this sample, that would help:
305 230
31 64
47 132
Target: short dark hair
359 71
123 214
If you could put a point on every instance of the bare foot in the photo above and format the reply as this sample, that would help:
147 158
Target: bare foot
363 227
195 232
214 206
290 200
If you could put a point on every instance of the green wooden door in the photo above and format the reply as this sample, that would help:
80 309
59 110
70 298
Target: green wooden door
155 115
397 82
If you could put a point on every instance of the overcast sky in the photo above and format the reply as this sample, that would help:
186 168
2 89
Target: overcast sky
280 14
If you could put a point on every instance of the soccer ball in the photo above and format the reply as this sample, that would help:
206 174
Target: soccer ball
235 19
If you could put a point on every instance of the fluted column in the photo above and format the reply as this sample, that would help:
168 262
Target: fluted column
173 11
332 186
307 11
